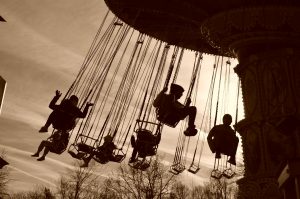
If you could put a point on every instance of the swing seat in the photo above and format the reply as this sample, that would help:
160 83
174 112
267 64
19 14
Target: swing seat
217 174
85 148
58 149
146 143
194 169
59 141
169 118
76 152
118 156
101 158
78 155
228 173
177 168
226 145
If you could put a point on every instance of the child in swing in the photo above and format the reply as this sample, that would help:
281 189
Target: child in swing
167 106
104 152
64 115
57 141
222 139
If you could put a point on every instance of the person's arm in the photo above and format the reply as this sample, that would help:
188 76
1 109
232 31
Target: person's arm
188 102
84 113
52 104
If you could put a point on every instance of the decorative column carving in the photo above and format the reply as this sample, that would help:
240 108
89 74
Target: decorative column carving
266 41
270 84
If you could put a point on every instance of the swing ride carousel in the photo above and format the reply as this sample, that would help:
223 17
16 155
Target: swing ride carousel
265 38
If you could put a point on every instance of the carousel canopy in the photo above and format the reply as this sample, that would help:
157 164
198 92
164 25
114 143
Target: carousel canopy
179 22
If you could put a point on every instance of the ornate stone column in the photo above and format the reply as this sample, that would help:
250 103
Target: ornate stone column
266 41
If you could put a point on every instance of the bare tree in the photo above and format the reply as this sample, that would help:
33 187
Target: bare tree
4 177
220 189
180 191
155 182
79 183
39 193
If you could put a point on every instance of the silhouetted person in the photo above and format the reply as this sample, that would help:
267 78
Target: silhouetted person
169 110
2 163
222 139
56 142
64 115
104 152
144 145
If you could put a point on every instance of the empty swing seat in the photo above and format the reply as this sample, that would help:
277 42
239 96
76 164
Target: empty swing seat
217 174
177 168
228 173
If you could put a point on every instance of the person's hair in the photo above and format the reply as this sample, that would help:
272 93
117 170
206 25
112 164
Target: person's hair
74 99
175 88
227 119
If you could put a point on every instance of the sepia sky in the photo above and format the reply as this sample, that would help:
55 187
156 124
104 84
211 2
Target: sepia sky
42 46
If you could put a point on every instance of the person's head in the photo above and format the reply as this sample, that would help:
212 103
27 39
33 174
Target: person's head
74 100
176 90
227 119
108 138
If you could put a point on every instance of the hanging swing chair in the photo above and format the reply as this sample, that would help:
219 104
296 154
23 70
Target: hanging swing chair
147 130
165 113
146 143
59 140
178 165
88 141
222 139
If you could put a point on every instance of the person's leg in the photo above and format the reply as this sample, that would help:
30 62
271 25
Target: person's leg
46 151
233 151
40 148
48 122
191 111
133 155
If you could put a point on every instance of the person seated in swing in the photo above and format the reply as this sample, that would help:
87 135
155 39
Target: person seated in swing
104 152
170 110
144 145
222 139
64 115
57 142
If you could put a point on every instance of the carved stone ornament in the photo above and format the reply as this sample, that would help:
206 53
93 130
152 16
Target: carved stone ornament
229 30
263 188
269 83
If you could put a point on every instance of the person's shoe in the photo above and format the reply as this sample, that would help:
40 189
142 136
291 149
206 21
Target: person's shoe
232 160
35 155
132 160
41 158
190 131
218 155
43 129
